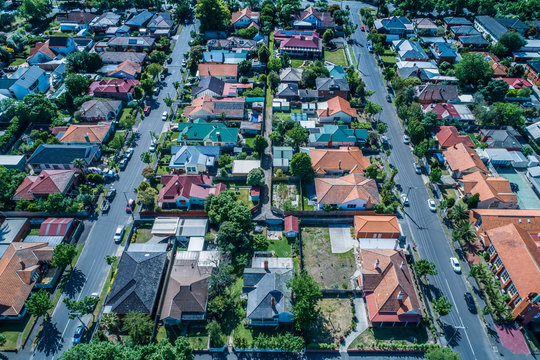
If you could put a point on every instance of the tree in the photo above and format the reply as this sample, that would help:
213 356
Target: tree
139 327
36 108
306 295
157 56
260 143
63 255
154 69
78 308
255 177
494 91
244 67
168 101
260 242
146 157
263 54
248 33
506 113
34 10
147 197
372 109
110 321
499 50
416 131
435 175
473 70
83 62
442 306
39 303
147 85
274 64
297 136
3 340
430 120
301 167
516 71
382 128
196 54
421 149
464 231
527 151
389 73
183 10
213 14
512 40
458 213
148 172
224 160
472 202
424 267
440 353
76 84
285 60
328 36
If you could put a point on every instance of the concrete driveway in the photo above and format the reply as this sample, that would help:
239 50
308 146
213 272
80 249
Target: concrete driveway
341 239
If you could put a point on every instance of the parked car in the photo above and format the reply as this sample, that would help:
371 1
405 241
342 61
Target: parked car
431 205
417 168
164 116
455 265
129 153
471 305
404 199
119 233
362 28
105 206
388 98
147 110
169 60
123 163
156 91
184 63
111 194
406 139
130 205
152 147
162 76
384 139
79 332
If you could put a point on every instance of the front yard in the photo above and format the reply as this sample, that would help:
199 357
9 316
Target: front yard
334 321
337 57
331 271
197 335
143 235
400 335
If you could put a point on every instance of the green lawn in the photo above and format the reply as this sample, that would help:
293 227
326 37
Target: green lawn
126 112
337 57
174 135
388 59
11 331
295 63
250 142
197 336
281 247
409 335
143 235
34 231
243 196
17 62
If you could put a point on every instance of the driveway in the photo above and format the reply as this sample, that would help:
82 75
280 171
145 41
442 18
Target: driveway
341 239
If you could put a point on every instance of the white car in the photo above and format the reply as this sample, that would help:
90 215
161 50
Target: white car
119 233
417 168
164 116
152 147
406 139
404 199
431 205
455 265
129 153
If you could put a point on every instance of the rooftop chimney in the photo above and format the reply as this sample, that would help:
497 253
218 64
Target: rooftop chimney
402 265
266 265
400 295
23 266
86 138
273 302
377 263
339 165
396 244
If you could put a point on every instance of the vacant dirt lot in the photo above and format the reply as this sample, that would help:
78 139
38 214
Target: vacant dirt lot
335 317
331 271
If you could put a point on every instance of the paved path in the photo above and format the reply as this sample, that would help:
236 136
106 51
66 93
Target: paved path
361 325
341 240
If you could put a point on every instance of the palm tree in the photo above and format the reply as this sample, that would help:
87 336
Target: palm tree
464 230
79 164
176 85
458 213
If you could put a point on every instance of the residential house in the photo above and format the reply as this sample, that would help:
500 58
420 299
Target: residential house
87 133
335 71
448 136
350 192
499 70
208 108
425 74
251 127
282 35
494 191
21 266
47 182
63 45
432 93
329 136
215 134
138 43
464 30
444 111
376 227
55 48
119 89
516 83
425 26
310 18
224 72
61 157
490 28
328 88
290 75
75 20
210 86
336 110
185 191
126 70
186 297
161 24
224 56
245 18
443 51
513 24
13 161
462 160
509 138
241 168
139 21
24 81
409 50
137 281
62 227
118 57
100 110
399 26
269 299
282 156
287 91
104 21
388 287
532 70
473 42
497 157
193 159
291 226
12 230
452 21
534 131
345 160
309 45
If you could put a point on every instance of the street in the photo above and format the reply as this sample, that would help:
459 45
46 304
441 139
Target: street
91 270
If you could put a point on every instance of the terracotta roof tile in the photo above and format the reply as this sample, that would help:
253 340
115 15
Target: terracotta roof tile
449 136
488 187
463 159
375 224
346 189
349 159
47 182
210 69
338 104
86 133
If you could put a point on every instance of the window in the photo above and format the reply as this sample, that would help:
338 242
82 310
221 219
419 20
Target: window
351 206
512 290
505 276
491 249
517 301
498 263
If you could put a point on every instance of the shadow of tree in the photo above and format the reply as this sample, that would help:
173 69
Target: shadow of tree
50 339
493 333
73 282
452 334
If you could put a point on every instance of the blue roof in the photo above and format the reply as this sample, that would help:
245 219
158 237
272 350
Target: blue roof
204 155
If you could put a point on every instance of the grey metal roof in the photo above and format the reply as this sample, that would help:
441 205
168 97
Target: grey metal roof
51 240
192 227
287 90
209 83
30 77
63 154
140 19
492 26
203 155
503 138
332 84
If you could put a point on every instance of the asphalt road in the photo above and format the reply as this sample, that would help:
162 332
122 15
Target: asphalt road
464 331
309 356
91 270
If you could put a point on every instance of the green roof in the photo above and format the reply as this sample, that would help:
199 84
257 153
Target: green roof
339 133
207 131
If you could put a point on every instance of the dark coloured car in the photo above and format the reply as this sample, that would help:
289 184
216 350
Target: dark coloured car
111 194
79 332
169 60
123 163
388 98
470 302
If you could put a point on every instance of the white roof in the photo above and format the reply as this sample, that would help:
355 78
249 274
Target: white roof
534 171
147 247
165 225
208 258
10 160
534 130
244 166
192 227
196 243
418 64
464 112
308 124
498 154
518 156
273 262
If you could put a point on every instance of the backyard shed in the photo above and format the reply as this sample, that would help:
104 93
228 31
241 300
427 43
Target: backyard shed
291 226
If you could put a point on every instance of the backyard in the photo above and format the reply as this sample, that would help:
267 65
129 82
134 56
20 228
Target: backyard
333 321
408 335
197 335
142 235
331 271
243 196
296 63
281 248
337 57
286 196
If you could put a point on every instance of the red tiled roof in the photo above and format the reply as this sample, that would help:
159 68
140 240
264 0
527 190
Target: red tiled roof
55 227
517 83
448 136
337 191
443 110
253 15
218 70
461 158
187 186
129 67
42 48
112 86
47 182
348 159
488 187
291 224
86 133
375 224
302 41
338 104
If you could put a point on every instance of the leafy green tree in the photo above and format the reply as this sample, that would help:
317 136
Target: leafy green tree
435 175
255 177
232 240
76 84
183 10
512 40
39 303
382 128
442 306
10 179
154 69
139 327
328 36
458 213
244 67
168 101
213 14
260 144
306 295
505 113
372 109
297 136
263 54
147 197
494 91
148 173
301 167
464 231
34 10
36 108
285 60
440 353
416 131
63 255
472 202
224 160
274 64
526 150
473 70
83 62
146 157
78 308
147 85
260 242
420 150
424 267
430 120
3 340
